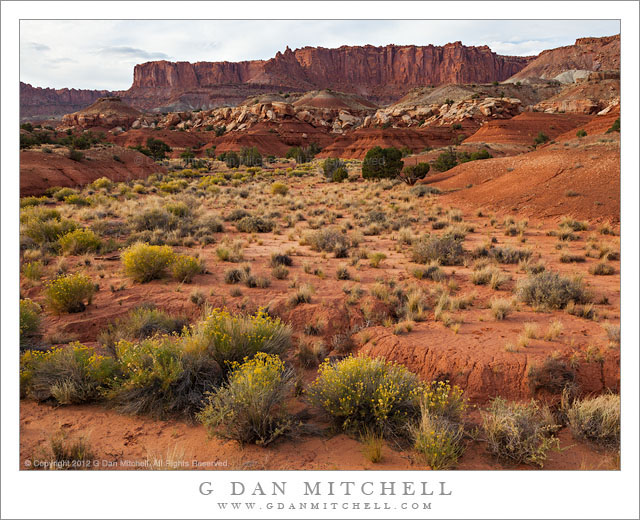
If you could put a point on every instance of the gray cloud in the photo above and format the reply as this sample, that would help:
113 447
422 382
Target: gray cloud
40 47
132 52
51 56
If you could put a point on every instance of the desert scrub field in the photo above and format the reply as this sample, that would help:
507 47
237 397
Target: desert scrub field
164 297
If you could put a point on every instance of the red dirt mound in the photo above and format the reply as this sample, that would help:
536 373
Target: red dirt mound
105 113
178 141
355 145
580 178
597 126
475 359
523 128
39 171
273 138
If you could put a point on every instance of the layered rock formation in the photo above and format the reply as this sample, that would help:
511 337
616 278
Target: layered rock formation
36 102
107 112
587 54
377 73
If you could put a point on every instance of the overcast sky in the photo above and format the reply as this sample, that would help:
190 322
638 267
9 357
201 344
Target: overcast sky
101 54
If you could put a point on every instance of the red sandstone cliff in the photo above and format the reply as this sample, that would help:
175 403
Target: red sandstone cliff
39 102
378 73
593 54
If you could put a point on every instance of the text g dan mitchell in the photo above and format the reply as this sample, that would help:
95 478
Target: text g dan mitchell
327 488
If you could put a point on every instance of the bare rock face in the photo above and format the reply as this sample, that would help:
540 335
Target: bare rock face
49 102
587 54
377 73
108 112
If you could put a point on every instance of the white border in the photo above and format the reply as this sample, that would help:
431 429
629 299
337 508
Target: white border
527 494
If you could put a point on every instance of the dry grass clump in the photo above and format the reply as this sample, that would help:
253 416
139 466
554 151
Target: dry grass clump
596 420
551 290
519 433
509 255
501 308
255 224
311 353
445 250
613 333
301 295
602 269
489 275
231 252
372 444
330 240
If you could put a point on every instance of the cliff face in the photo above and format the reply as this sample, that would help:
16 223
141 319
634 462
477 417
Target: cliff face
379 73
48 102
593 54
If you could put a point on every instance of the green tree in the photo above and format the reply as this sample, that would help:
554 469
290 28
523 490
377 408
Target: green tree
412 174
187 156
250 156
446 160
382 163
157 148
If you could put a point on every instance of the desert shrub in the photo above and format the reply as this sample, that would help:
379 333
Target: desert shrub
553 375
602 269
445 161
144 263
279 188
360 393
44 226
422 190
596 419
237 214
26 202
140 323
376 258
441 399
509 255
519 433
211 223
230 338
76 155
501 308
30 319
68 453
253 224
445 250
432 272
185 267
280 272
301 295
232 253
438 440
233 276
79 241
250 156
581 133
489 275
70 375
382 163
230 158
615 127
541 138
550 290
250 407
281 259
69 293
154 218
33 270
412 174
329 240
160 378
102 182
573 224
330 166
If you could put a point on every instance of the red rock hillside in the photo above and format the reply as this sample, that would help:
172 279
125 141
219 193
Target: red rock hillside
592 54
36 102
